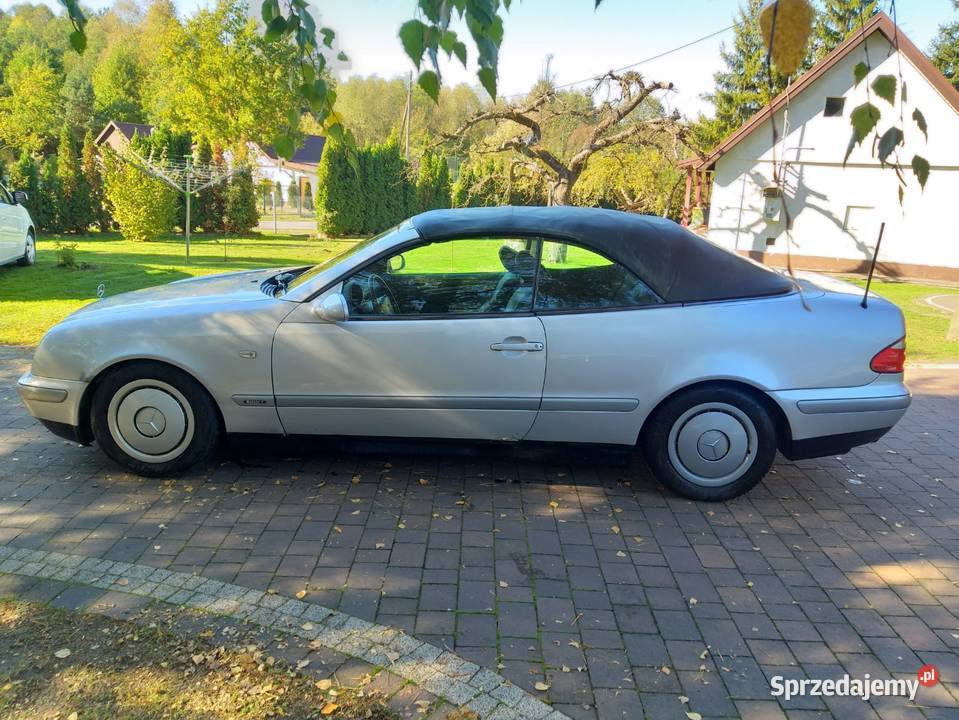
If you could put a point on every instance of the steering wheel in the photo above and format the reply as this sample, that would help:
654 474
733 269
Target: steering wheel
368 294
384 302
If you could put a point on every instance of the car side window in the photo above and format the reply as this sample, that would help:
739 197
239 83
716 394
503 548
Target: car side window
573 277
463 276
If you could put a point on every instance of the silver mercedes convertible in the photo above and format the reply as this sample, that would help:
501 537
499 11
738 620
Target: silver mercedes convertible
554 324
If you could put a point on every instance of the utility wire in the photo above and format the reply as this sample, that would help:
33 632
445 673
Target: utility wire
663 54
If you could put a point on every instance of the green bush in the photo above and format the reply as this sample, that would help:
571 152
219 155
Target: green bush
47 216
143 207
25 176
241 213
489 180
433 183
76 209
376 197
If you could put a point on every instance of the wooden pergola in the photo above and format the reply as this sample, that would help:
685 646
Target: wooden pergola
699 174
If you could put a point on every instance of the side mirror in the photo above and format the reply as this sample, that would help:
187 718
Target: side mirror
20 197
332 308
396 263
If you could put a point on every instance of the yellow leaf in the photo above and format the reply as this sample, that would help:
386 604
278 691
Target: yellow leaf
356 481
694 716
329 709
541 686
324 684
424 482
553 504
615 529
301 594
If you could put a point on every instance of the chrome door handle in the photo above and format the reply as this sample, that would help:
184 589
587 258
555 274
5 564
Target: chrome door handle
517 347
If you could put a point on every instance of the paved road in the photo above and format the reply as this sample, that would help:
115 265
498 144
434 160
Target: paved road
574 571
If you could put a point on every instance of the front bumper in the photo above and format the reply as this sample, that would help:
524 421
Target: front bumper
827 421
52 400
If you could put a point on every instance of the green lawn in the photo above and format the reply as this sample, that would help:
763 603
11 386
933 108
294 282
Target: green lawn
926 326
32 299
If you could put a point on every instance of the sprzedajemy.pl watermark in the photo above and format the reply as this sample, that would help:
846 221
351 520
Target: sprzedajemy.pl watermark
865 687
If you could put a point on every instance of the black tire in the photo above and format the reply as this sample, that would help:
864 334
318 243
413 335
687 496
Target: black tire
669 421
29 258
198 444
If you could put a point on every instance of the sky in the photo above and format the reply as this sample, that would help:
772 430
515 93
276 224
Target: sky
583 42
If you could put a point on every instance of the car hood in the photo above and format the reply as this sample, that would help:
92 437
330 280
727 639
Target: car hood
232 287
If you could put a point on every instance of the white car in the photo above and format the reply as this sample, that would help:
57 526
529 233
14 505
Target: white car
557 324
18 238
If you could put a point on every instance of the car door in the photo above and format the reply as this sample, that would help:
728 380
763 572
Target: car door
602 323
11 239
441 341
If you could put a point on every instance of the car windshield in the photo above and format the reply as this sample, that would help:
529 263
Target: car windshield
312 272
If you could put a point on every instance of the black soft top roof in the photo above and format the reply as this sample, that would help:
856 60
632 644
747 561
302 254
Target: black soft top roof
677 264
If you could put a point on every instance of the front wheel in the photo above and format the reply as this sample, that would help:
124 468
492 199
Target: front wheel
711 443
29 251
154 419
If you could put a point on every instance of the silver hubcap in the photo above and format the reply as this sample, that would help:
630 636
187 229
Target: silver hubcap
150 420
712 444
31 249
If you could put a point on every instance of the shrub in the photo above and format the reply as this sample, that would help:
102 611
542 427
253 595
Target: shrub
25 176
143 207
367 201
47 215
66 255
433 183
241 213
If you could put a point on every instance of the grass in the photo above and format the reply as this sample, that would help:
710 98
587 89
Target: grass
926 326
138 671
35 298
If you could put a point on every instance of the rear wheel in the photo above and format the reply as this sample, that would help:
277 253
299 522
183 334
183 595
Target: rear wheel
711 443
29 251
154 419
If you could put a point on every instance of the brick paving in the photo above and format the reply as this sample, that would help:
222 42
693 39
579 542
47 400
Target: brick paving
576 571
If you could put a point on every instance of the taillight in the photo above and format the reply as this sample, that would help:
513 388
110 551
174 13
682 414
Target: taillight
891 359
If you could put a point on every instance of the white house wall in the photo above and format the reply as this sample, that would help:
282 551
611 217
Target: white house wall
836 210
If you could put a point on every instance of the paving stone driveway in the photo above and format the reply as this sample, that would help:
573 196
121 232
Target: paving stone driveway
579 573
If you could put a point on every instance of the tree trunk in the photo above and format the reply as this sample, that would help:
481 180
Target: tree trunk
555 252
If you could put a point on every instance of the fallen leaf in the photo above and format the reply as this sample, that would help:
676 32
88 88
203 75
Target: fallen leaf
380 546
693 601
356 481
541 686
553 504
62 653
683 699
307 626
302 664
694 716
301 594
620 553
665 670
337 528
197 659
325 684
503 584
329 708
73 716
424 482
615 529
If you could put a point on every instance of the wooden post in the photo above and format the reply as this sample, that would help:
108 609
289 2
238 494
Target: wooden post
687 210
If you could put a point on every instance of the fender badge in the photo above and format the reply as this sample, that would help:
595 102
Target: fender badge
248 354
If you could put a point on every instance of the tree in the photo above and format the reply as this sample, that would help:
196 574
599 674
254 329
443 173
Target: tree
241 214
24 176
365 202
221 81
293 193
644 181
618 120
432 183
486 180
143 206
743 88
30 112
47 215
945 50
78 102
117 82
75 209
90 168
837 20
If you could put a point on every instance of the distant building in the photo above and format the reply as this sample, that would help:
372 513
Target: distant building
836 209
300 170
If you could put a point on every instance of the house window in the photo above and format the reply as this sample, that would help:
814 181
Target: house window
834 106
